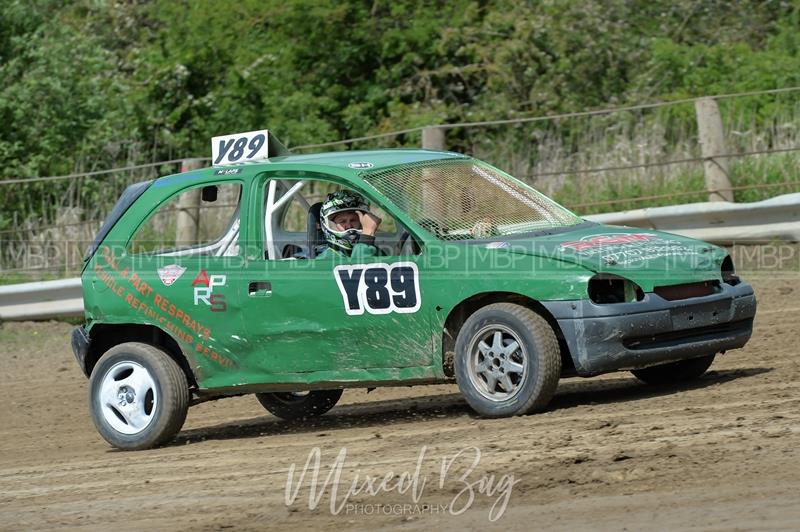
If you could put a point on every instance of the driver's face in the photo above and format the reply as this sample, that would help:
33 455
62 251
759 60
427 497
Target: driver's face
346 220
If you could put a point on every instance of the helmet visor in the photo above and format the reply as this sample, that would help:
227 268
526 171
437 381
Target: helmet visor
334 228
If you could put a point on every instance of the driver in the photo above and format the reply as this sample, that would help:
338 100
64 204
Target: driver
348 226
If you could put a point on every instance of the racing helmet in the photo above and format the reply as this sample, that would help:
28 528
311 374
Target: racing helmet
336 202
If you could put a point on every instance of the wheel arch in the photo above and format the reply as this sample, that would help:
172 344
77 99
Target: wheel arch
104 336
459 314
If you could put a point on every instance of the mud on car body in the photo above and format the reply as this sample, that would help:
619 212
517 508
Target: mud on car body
479 280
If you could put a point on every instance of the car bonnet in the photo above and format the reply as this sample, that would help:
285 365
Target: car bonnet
649 258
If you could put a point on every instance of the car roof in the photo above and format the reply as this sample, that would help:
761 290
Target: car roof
349 163
377 159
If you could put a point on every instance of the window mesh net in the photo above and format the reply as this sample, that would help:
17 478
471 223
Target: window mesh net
465 199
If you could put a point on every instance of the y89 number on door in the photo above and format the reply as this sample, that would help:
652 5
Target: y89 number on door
379 288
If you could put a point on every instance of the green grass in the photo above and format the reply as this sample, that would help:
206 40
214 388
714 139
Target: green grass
27 277
593 194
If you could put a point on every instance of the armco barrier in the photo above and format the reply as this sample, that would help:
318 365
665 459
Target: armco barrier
42 300
719 222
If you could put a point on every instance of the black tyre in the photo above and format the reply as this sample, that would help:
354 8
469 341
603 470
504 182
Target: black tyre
675 372
507 361
299 405
138 396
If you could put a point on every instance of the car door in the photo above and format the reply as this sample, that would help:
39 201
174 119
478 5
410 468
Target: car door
332 314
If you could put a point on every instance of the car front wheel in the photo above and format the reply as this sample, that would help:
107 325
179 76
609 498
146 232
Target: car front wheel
299 405
138 396
507 361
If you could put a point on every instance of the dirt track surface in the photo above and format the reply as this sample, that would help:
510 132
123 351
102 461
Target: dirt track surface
610 453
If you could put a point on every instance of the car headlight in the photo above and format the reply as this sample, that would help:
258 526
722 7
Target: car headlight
728 271
608 288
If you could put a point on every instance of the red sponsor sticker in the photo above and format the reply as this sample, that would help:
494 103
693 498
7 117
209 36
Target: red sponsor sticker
608 240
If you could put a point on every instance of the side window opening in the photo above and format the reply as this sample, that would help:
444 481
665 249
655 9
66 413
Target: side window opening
201 221
287 233
294 217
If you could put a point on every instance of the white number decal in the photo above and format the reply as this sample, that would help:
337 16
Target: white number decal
379 288
240 147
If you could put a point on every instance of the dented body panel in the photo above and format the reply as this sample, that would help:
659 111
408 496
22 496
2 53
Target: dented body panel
654 331
248 324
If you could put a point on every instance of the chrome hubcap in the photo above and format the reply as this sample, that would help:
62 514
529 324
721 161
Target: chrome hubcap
497 363
128 397
291 397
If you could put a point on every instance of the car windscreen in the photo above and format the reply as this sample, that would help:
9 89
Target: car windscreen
464 199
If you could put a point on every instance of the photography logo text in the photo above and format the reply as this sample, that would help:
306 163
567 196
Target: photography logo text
356 493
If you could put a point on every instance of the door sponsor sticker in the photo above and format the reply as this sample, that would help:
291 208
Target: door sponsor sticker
170 274
204 293
379 288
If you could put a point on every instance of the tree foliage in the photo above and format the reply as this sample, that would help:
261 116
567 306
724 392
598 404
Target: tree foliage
87 84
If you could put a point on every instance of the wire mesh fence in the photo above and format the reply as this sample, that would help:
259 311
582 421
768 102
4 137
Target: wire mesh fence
594 161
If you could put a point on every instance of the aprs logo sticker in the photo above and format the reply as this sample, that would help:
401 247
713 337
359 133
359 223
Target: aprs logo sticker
379 288
204 286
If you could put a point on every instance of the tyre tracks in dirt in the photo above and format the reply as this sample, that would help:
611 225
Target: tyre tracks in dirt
610 452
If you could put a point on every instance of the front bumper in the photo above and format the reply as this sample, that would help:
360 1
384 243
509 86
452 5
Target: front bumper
624 336
80 347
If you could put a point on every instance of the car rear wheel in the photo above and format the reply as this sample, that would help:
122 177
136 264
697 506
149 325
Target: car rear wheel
507 361
299 405
675 372
138 396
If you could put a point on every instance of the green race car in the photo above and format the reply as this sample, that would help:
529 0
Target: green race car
216 282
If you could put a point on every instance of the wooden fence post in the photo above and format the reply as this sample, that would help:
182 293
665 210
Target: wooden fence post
432 196
712 144
433 138
188 222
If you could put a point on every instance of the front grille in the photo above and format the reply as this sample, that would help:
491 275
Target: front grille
685 291
688 335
